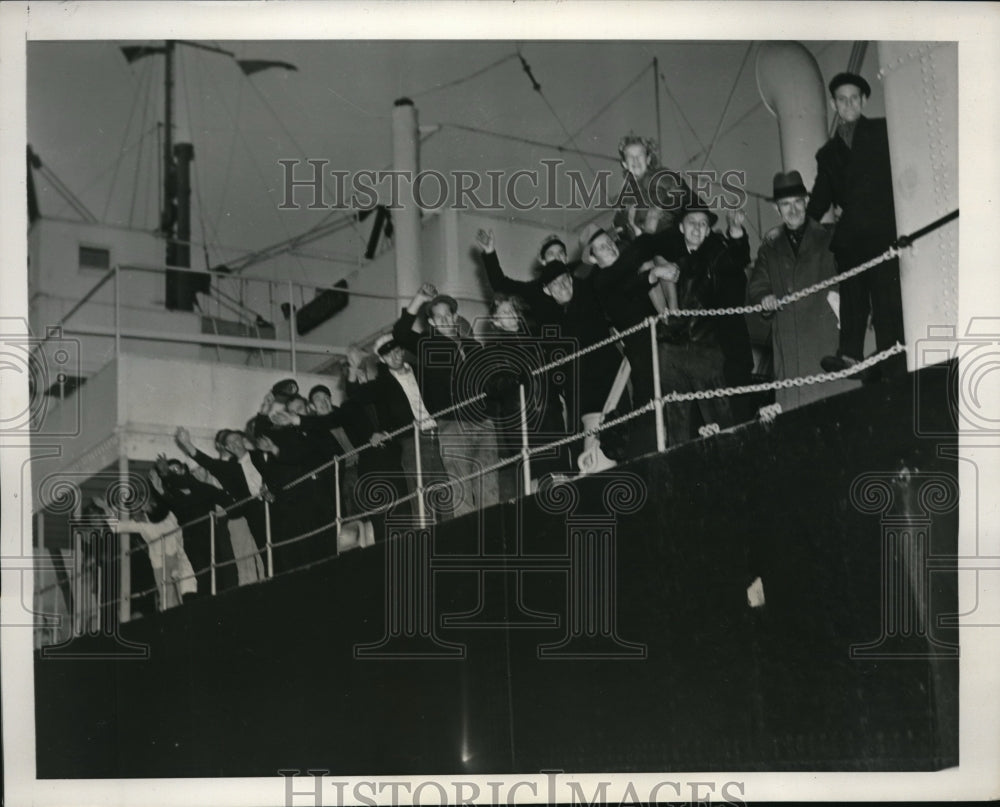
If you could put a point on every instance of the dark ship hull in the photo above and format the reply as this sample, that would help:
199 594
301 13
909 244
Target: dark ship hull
604 626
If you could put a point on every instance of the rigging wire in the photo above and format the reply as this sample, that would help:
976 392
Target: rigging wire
231 151
725 109
253 161
295 142
206 236
538 88
138 156
528 141
136 88
615 98
463 79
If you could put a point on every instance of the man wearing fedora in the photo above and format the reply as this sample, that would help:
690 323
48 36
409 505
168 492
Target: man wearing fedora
468 439
703 353
791 257
854 175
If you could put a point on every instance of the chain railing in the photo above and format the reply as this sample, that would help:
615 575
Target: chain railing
524 456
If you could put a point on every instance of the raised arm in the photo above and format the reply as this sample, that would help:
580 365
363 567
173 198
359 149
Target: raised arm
403 331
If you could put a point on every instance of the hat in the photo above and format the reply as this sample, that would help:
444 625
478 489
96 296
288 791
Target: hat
551 271
549 241
443 298
385 343
698 208
285 389
789 184
850 78
588 235
319 388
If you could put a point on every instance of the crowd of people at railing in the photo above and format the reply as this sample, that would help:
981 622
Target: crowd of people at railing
441 417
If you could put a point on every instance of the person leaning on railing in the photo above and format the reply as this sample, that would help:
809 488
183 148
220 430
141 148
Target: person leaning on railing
707 352
174 576
391 387
510 351
302 514
191 501
560 300
241 477
468 441
622 285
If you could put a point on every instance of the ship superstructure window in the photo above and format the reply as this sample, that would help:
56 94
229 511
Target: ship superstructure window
95 257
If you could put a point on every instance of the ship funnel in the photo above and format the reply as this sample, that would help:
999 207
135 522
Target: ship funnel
791 87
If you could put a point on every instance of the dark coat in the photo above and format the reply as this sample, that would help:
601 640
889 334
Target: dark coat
580 323
714 277
660 188
858 179
804 332
392 407
439 362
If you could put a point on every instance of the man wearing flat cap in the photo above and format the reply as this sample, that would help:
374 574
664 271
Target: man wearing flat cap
855 176
791 257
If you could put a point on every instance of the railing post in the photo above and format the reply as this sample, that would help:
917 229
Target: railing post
211 549
421 509
125 579
292 326
661 435
77 615
336 501
267 532
161 544
118 329
526 457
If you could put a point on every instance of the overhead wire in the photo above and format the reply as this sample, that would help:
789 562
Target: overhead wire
138 157
729 100
614 99
253 161
464 79
136 88
538 88
207 237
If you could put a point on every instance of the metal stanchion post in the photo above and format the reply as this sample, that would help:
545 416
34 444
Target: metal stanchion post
661 435
525 456
336 500
292 326
118 330
211 549
77 615
125 579
267 529
162 548
421 509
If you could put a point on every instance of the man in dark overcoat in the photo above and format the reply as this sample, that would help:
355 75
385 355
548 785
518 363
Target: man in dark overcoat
854 175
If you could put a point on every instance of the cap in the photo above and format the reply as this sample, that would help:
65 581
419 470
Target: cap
850 78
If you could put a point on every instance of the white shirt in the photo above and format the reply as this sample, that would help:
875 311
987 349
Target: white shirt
166 550
254 480
408 381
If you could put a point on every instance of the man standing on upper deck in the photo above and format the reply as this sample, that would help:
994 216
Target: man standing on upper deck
855 176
